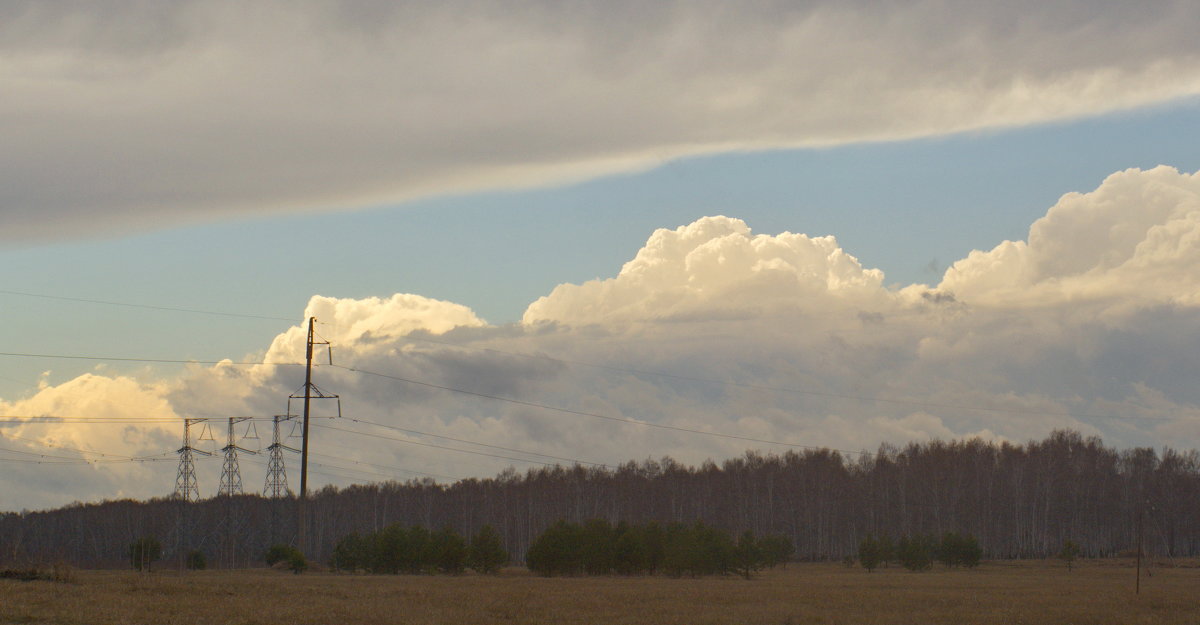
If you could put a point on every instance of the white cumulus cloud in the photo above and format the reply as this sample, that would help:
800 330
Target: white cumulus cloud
715 266
1136 236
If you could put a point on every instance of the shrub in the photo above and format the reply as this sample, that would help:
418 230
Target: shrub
297 563
916 553
144 551
777 549
557 551
486 554
448 551
747 555
351 553
195 560
279 553
870 555
959 550
1070 551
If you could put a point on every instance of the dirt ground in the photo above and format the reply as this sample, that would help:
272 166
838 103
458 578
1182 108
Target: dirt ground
996 592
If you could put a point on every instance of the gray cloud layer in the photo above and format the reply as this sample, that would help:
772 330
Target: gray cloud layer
122 114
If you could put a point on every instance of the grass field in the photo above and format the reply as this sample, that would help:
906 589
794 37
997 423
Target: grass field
1003 592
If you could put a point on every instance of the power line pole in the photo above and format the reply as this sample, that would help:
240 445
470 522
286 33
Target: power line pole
310 392
1141 530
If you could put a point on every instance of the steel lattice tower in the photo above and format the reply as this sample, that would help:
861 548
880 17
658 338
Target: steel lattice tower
186 487
231 475
276 484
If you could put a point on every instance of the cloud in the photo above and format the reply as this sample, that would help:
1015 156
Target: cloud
715 266
1136 236
711 340
370 321
120 116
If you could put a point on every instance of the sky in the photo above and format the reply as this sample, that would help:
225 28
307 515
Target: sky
592 232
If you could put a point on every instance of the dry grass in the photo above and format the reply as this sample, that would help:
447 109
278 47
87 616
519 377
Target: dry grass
808 593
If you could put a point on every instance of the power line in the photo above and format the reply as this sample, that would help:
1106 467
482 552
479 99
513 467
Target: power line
455 449
154 360
388 467
469 442
145 306
595 415
51 419
910 402
783 389
81 451
759 387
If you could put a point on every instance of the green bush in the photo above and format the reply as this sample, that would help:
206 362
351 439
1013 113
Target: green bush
916 553
486 554
144 551
1070 550
279 553
448 551
195 560
557 551
297 563
777 549
959 550
870 554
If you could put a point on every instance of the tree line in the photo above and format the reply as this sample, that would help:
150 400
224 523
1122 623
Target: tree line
919 552
1017 500
397 549
596 547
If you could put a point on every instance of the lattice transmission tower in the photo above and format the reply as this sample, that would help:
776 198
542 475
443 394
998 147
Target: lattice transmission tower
276 485
186 486
231 474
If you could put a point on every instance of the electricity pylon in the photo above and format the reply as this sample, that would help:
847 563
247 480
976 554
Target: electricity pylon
231 475
276 485
186 487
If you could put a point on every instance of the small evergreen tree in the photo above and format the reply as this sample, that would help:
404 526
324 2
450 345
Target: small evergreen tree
747 555
486 553
420 553
654 539
630 555
970 553
887 549
279 553
869 553
351 553
777 550
557 551
196 561
449 551
1070 550
916 553
959 550
596 547
296 562
144 551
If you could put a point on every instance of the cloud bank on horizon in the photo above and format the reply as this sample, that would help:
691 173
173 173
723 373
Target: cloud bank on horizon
1090 323
119 116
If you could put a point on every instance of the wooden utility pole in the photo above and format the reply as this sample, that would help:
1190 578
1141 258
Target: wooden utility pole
311 392
1141 526
308 351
